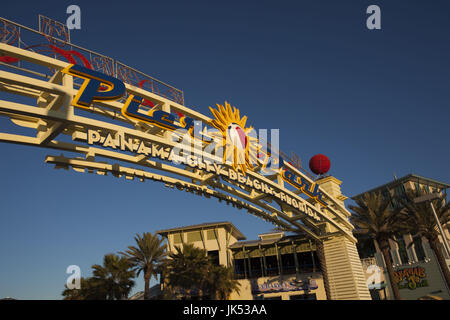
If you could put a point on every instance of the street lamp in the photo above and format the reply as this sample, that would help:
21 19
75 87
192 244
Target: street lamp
430 197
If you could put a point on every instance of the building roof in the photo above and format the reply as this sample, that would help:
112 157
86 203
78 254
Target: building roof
271 233
155 291
252 243
137 296
255 243
409 177
226 224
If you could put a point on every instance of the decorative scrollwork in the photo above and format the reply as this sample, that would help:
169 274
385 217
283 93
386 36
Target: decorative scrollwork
9 33
53 30
58 46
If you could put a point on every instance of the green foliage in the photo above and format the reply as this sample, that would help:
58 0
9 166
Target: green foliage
146 257
89 290
221 283
191 270
114 276
187 268
373 217
110 281
418 218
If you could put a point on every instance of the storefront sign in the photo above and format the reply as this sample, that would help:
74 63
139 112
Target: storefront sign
285 286
411 278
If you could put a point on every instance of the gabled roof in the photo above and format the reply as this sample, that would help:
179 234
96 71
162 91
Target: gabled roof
410 177
226 224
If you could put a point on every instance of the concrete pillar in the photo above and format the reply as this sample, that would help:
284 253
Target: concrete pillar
332 186
343 270
341 265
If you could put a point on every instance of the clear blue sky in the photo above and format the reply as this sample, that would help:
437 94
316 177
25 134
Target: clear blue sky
376 102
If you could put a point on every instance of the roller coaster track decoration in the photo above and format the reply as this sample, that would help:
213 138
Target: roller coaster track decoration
120 124
53 40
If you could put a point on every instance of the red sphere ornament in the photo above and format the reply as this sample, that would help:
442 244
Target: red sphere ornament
319 164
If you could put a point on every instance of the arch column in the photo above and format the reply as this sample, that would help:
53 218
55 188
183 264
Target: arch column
341 266
342 269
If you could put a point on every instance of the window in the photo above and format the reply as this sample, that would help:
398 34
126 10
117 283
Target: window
402 250
308 261
417 186
272 266
239 268
288 263
177 238
211 235
194 236
213 255
255 265
418 247
305 262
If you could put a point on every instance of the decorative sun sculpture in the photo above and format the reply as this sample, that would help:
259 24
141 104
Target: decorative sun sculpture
240 146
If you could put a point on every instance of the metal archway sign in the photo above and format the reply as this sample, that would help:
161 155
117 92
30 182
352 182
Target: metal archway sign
128 131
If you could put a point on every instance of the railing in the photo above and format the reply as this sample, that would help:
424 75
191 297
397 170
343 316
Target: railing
26 38
140 79
274 271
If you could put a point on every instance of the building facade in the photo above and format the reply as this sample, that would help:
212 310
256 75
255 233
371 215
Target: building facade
273 267
292 267
335 271
417 271
278 267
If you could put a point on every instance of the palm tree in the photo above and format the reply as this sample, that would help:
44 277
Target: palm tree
90 289
146 257
221 283
420 220
73 294
191 270
114 276
373 217
187 269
